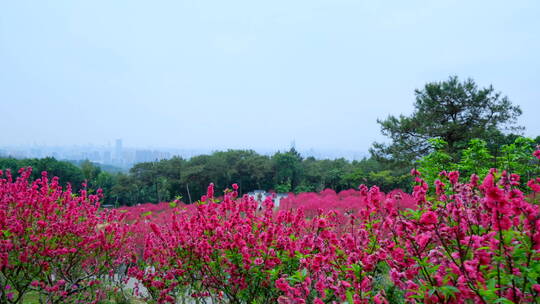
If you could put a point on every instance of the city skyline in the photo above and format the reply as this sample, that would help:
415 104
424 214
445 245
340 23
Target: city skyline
125 156
244 74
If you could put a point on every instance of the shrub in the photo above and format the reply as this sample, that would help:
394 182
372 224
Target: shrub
55 242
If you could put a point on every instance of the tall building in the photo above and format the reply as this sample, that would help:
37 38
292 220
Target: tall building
106 158
118 149
143 156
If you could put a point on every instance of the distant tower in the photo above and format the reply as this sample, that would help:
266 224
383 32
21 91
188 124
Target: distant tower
118 149
293 144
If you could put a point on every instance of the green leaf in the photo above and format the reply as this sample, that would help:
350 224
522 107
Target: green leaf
416 296
491 284
434 268
503 300
350 298
449 290
6 233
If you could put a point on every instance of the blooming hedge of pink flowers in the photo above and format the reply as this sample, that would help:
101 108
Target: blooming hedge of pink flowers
473 240
54 242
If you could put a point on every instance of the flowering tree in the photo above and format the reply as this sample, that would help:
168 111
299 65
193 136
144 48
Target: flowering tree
54 242
469 243
474 242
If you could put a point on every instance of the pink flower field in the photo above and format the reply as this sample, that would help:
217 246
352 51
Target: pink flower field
467 240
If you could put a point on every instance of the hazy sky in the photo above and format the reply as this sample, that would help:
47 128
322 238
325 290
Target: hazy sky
249 74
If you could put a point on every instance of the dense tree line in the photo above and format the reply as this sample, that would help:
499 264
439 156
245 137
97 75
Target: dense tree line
66 171
169 179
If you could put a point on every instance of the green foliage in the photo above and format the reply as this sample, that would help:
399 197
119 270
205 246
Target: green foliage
476 158
66 171
371 172
516 157
284 188
301 188
288 168
387 181
435 162
453 111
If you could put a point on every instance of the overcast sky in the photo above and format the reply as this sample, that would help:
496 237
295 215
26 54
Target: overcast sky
249 74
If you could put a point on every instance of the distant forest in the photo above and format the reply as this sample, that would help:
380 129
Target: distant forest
448 116
170 179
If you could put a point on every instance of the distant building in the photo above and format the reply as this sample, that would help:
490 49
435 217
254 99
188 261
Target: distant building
142 156
106 158
118 149
163 155
35 153
261 195
128 157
